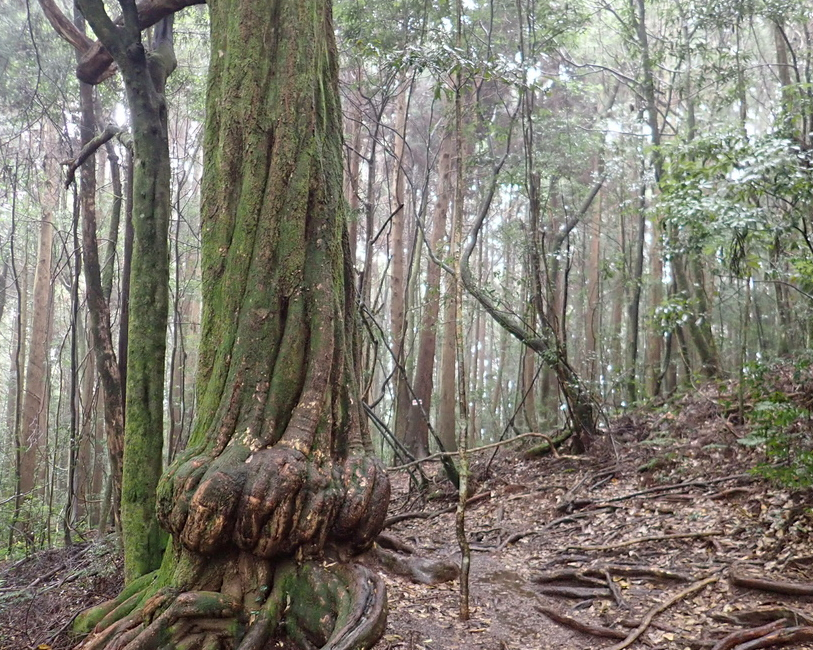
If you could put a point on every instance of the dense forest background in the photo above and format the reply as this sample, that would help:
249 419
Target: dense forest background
623 189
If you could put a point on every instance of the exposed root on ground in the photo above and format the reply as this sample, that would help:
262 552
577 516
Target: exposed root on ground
335 606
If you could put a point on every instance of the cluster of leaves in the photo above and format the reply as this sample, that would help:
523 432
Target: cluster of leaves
780 420
726 193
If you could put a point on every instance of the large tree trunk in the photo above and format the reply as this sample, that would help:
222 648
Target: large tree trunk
278 488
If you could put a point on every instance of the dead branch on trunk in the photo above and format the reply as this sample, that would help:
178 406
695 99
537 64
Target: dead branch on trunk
88 150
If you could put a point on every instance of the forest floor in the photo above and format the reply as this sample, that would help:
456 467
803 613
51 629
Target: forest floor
660 530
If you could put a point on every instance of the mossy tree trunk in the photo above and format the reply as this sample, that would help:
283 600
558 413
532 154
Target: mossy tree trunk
278 488
144 74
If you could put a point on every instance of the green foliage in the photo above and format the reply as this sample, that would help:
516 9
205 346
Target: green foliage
732 195
780 424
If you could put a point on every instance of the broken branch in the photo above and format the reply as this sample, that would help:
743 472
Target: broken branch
740 636
642 540
585 628
652 613
88 150
789 588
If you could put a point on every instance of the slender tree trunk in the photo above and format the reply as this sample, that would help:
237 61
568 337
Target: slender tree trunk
399 265
447 398
98 306
417 435
636 282
33 432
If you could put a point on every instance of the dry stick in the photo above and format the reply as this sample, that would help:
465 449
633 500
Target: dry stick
538 531
652 613
586 628
740 636
567 575
422 514
448 454
641 540
614 590
637 571
678 486
768 614
787 636
582 593
788 588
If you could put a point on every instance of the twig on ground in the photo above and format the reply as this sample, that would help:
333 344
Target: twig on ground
395 544
789 588
678 486
652 613
638 571
538 531
563 575
586 628
642 540
614 590
566 591
768 614
787 636
741 636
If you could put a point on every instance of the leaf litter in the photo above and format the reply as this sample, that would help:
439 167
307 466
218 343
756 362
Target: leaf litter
661 530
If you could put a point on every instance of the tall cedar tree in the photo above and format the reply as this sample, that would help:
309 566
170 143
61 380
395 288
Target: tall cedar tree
278 488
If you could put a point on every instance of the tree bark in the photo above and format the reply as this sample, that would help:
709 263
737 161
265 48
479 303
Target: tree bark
98 306
277 489
417 430
33 427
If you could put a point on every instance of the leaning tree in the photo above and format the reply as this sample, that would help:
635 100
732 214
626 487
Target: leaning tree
278 489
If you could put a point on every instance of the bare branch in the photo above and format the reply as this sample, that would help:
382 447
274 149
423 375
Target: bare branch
88 150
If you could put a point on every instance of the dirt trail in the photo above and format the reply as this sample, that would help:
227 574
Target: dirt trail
663 513
664 504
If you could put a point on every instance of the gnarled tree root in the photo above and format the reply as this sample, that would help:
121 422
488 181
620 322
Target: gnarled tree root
334 606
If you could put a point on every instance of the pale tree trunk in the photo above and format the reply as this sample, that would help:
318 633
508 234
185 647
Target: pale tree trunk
34 422
417 430
87 432
398 265
655 342
352 167
527 392
15 401
447 397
